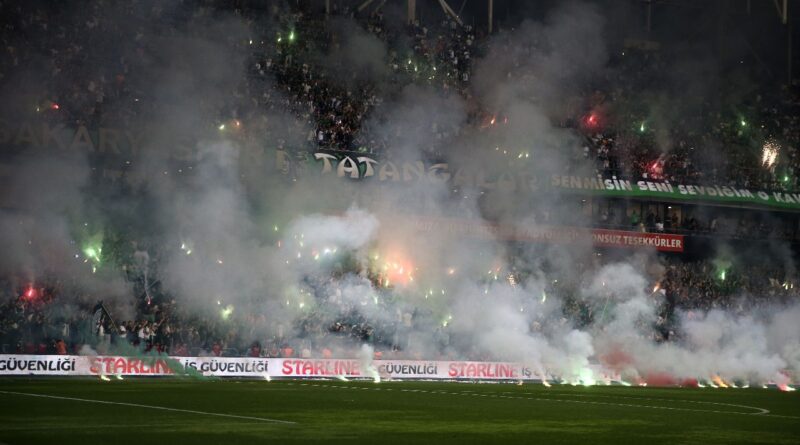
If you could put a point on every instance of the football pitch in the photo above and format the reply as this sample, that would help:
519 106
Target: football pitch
178 411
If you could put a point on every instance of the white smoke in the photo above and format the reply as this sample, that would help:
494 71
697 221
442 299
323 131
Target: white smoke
232 236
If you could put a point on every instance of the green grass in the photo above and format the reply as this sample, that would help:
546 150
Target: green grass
389 412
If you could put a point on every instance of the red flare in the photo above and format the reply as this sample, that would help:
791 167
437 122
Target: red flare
660 379
689 383
616 359
592 121
30 293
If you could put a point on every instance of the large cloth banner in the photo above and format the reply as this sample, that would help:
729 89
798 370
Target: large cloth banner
74 365
363 166
127 142
469 228
618 238
61 138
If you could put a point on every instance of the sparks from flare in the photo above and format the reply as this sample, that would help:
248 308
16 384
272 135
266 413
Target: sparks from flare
769 153
395 269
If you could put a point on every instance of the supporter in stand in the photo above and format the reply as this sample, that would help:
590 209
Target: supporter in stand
255 350
61 347
216 349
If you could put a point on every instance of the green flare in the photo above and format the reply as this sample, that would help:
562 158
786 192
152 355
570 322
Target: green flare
93 252
90 252
226 312
587 377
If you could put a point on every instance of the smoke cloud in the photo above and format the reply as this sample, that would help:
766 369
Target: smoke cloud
334 263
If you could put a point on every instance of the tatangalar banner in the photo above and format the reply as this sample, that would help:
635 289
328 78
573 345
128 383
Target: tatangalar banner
358 166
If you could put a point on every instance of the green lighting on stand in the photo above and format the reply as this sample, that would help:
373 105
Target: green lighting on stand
226 312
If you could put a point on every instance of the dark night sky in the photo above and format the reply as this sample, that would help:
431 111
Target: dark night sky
723 28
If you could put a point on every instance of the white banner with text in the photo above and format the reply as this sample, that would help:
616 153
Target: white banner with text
76 365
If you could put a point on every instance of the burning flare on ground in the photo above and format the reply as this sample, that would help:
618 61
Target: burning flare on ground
719 382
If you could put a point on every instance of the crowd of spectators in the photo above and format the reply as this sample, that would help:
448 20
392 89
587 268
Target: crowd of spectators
82 77
296 62
48 319
632 131
697 221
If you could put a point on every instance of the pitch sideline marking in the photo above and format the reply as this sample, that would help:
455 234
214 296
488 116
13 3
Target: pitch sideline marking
778 415
762 411
163 408
591 402
103 426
